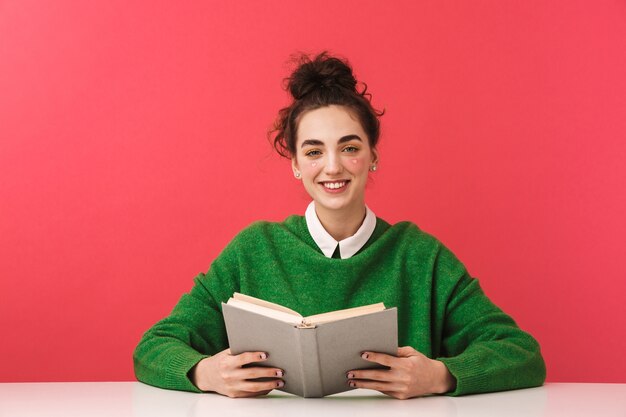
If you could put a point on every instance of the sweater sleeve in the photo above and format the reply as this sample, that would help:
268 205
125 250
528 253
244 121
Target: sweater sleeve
483 347
194 329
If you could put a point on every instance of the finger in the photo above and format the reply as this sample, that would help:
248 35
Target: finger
258 372
381 358
371 374
375 385
257 386
405 351
244 394
248 357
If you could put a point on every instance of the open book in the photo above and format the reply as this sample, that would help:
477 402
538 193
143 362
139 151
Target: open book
316 351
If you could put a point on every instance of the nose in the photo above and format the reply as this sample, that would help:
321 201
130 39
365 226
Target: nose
333 164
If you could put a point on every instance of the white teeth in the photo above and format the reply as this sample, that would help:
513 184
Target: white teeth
334 185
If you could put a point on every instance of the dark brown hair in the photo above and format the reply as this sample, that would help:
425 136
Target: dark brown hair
322 81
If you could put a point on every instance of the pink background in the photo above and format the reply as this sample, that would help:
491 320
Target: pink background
132 149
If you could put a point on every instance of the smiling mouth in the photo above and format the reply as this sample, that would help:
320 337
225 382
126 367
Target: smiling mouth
335 185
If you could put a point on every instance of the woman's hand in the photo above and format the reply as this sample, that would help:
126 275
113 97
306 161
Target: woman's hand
223 373
411 374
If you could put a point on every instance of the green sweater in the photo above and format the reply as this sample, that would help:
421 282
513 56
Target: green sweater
442 311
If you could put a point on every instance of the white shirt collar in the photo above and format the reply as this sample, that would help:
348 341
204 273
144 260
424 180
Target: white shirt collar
348 246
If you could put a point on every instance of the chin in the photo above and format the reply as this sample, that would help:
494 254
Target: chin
334 205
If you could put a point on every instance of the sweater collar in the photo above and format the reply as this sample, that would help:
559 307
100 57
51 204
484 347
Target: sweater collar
348 246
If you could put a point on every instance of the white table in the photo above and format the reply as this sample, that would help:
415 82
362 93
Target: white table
121 399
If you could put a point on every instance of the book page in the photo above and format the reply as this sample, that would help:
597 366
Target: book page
344 314
263 303
267 312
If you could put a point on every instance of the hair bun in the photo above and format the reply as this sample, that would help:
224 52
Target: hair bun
323 72
315 83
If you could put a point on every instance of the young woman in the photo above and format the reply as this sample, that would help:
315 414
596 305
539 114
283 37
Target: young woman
340 255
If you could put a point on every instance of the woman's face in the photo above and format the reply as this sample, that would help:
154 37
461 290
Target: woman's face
333 156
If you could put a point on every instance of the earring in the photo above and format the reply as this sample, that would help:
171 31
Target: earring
297 175
373 168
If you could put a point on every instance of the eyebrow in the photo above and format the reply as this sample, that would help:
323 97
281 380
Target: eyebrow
343 139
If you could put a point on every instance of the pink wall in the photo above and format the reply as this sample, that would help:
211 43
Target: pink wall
132 149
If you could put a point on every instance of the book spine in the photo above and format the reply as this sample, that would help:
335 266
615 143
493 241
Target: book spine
310 361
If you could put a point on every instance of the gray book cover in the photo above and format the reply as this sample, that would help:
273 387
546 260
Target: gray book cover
315 360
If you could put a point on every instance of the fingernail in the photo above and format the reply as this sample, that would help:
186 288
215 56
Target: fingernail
279 373
364 355
350 375
352 384
280 384
263 355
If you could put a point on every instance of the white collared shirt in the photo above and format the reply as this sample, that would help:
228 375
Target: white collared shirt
348 246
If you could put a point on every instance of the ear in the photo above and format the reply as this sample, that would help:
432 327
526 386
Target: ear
374 157
294 165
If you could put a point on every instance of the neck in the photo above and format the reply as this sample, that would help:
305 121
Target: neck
341 224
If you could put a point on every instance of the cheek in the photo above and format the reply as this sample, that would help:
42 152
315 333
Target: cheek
358 164
309 168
